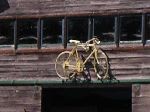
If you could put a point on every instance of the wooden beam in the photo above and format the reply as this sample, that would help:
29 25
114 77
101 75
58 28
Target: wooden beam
60 82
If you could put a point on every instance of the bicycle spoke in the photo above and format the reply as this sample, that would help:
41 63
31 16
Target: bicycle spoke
102 68
65 66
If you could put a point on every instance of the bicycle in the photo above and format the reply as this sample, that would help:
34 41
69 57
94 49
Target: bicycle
70 64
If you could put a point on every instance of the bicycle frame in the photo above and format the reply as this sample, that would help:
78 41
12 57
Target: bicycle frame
81 63
76 64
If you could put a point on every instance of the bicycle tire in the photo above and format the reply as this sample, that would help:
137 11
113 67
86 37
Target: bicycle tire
63 63
102 65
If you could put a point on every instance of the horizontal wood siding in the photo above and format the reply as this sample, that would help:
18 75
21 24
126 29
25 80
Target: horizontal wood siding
140 98
20 98
19 8
130 64
27 67
124 64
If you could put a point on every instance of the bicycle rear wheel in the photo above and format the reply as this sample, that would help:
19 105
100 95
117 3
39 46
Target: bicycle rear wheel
102 65
65 65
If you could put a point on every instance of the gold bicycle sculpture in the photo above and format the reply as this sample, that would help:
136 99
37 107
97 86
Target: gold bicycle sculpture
70 64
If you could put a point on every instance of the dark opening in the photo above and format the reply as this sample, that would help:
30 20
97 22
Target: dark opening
6 32
104 28
130 28
78 29
110 99
27 33
52 31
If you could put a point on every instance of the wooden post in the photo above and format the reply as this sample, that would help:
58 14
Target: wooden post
90 28
117 30
93 26
143 29
42 22
15 35
39 34
64 31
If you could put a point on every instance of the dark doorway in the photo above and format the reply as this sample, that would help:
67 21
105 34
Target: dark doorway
108 99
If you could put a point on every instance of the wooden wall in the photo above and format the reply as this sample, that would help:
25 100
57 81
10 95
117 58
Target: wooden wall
30 66
20 99
21 8
125 63
130 63
140 98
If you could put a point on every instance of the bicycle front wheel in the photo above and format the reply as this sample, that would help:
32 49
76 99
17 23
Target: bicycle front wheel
102 65
65 65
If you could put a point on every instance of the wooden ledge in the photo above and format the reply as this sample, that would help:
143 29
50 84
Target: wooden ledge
106 48
58 83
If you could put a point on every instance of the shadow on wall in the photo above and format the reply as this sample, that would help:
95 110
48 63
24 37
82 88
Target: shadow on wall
4 5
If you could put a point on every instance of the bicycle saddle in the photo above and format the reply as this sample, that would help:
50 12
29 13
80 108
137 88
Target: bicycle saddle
74 41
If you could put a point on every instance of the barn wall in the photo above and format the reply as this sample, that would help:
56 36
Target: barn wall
125 63
20 8
31 66
20 99
130 63
140 98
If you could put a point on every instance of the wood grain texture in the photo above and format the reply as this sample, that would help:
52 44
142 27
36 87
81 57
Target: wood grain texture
130 63
18 98
140 98
42 8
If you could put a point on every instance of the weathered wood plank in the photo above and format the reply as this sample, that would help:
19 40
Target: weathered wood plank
140 98
124 64
18 98
20 8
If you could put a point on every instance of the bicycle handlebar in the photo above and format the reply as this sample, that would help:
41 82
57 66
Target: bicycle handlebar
88 44
94 40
